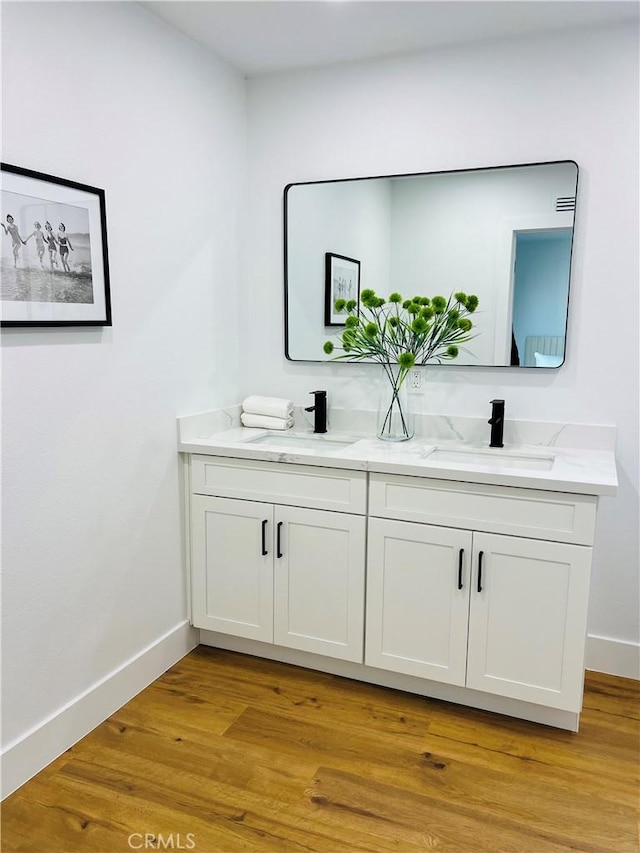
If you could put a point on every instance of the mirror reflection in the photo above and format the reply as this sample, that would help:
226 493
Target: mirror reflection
504 234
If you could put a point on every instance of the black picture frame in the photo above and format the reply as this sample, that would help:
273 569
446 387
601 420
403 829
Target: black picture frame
54 256
341 281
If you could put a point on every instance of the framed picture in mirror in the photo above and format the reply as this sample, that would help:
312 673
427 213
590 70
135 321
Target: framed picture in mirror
341 281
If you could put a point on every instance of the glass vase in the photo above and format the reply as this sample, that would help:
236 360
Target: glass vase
395 418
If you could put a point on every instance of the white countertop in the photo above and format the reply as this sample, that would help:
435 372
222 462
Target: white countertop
558 469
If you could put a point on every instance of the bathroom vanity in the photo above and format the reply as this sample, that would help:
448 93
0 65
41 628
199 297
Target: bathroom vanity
444 569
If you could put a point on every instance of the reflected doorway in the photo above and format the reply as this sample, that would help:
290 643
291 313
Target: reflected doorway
542 260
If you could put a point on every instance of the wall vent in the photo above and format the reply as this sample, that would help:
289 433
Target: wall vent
565 203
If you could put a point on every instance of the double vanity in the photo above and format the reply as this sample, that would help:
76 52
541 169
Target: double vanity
448 565
441 567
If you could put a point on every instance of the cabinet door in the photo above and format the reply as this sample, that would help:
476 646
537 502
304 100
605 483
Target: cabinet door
232 579
319 582
418 599
528 619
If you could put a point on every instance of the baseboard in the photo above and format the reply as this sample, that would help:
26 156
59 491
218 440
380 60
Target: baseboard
384 678
616 657
31 752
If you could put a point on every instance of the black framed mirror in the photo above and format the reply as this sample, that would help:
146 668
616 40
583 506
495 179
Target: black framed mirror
504 233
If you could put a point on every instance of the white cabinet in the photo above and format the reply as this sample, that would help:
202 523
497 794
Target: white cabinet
231 572
474 593
288 575
528 619
501 614
319 582
418 599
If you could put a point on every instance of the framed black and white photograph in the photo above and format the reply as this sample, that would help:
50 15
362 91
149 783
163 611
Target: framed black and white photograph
53 261
342 281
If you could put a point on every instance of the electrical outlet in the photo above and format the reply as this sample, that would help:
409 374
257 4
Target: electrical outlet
415 378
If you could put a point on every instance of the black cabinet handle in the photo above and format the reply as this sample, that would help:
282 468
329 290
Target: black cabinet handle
278 551
460 558
264 538
480 556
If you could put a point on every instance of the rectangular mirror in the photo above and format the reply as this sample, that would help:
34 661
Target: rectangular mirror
503 233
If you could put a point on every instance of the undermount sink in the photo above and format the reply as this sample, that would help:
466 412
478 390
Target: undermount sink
311 441
496 458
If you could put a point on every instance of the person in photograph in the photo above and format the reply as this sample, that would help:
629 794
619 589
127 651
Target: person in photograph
53 246
39 238
11 230
65 245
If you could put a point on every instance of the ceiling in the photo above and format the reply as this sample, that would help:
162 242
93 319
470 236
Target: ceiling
259 37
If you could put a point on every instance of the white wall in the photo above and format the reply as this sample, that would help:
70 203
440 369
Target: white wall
106 94
565 96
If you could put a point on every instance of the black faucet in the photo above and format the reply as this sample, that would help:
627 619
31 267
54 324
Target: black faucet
497 423
319 409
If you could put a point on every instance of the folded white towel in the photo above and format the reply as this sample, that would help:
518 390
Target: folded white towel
273 407
265 422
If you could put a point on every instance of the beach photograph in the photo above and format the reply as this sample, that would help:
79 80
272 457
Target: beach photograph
45 251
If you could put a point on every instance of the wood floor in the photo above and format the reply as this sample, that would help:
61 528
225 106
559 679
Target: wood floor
229 753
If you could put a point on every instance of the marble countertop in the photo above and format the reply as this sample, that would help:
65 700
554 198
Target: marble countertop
550 468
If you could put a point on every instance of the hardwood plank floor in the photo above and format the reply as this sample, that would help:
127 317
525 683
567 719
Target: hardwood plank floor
229 753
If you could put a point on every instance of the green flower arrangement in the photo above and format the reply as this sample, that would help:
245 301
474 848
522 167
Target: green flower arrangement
401 333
